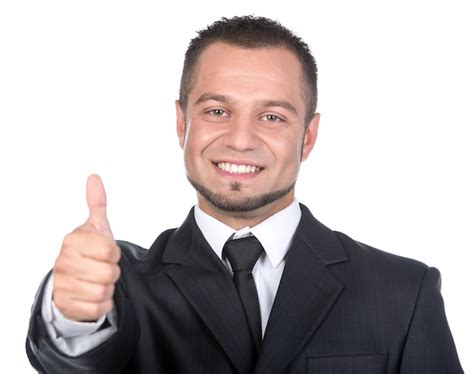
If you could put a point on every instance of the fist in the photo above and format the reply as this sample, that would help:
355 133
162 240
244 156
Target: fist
87 268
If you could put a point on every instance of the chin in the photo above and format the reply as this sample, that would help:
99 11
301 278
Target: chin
225 203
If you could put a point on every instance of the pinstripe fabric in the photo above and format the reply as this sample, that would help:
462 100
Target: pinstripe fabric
341 307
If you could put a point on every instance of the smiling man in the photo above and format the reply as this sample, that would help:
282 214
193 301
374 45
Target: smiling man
251 282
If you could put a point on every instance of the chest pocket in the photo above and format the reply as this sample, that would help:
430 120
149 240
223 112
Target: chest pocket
355 364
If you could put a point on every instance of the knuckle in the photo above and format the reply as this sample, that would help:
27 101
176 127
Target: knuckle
111 252
72 243
109 292
117 254
101 292
96 310
59 265
65 265
109 274
69 239
116 274
61 302
106 251
58 283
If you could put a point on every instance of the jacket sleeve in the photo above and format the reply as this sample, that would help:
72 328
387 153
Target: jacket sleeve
109 357
429 346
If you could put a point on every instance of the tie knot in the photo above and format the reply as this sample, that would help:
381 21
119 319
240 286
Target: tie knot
243 253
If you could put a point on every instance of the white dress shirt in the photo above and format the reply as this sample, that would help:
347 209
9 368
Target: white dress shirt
275 234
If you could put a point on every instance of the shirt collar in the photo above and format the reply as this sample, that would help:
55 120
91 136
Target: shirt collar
275 233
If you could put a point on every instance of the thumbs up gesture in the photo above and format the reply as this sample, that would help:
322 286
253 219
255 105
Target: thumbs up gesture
87 268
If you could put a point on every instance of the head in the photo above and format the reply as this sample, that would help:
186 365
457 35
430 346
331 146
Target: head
246 117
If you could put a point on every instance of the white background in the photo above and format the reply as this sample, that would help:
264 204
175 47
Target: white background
89 86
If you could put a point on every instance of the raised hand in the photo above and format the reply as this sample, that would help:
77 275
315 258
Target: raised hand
87 268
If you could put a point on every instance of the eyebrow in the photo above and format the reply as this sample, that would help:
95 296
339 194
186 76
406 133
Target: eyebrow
279 103
265 103
211 96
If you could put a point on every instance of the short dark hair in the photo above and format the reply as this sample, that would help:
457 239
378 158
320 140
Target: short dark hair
252 32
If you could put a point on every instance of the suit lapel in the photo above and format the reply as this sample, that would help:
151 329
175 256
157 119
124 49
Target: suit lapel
206 283
306 293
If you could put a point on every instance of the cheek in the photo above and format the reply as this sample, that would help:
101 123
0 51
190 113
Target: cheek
198 139
286 150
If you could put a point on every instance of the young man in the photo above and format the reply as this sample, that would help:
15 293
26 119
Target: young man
251 281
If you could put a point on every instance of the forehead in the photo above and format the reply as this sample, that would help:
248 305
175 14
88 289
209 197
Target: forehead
248 71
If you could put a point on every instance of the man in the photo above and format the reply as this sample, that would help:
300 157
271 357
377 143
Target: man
251 281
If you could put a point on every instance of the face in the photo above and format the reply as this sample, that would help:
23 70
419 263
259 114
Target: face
243 133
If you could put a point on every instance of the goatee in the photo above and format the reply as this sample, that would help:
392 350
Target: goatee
241 205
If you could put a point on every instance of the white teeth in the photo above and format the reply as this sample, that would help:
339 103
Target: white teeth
237 169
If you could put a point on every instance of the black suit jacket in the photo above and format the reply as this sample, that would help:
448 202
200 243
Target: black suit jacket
341 307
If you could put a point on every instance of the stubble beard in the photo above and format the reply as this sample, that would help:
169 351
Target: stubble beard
240 205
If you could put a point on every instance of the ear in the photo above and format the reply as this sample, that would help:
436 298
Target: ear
180 123
310 136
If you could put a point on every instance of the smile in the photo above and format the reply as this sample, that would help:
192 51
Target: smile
237 169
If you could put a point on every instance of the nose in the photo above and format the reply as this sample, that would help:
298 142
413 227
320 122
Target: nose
241 134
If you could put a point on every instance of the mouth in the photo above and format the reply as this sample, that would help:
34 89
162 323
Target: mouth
232 168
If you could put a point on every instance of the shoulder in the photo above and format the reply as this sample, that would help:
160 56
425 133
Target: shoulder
361 250
134 253
361 260
383 266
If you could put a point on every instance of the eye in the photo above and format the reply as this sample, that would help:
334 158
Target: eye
217 112
272 118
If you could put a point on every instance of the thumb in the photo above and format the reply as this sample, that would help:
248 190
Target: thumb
97 202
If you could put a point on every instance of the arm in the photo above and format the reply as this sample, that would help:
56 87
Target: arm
107 357
87 284
429 347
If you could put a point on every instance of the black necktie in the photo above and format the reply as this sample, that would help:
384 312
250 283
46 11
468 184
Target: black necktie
243 254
